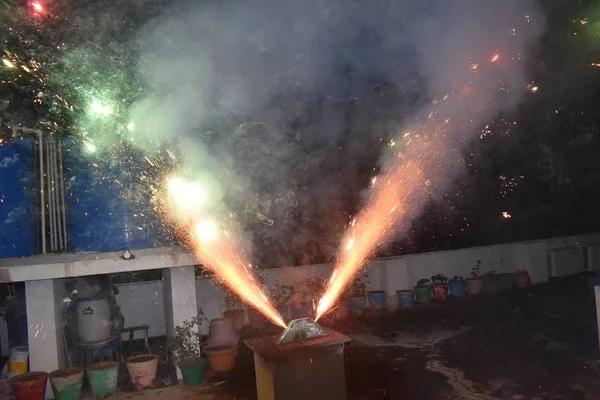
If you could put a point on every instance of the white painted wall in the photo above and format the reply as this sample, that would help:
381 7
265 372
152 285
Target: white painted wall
142 303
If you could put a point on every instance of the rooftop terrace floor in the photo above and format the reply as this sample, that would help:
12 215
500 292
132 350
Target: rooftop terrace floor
535 343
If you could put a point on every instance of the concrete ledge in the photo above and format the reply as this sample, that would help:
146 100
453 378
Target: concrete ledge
52 266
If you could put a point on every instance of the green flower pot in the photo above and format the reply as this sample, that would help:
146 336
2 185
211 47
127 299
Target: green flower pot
423 294
193 374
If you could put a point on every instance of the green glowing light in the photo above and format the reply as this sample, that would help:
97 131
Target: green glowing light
7 63
90 147
131 127
101 109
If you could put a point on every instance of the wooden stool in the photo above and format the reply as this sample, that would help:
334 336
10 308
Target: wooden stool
86 351
131 330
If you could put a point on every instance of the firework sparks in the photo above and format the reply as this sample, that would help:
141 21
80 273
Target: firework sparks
391 200
495 58
217 247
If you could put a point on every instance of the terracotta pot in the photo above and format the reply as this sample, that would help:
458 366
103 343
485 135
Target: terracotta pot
256 319
522 279
474 286
237 317
221 358
142 370
29 386
221 333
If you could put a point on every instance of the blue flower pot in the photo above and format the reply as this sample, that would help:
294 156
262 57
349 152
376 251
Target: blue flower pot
459 289
405 298
357 304
377 299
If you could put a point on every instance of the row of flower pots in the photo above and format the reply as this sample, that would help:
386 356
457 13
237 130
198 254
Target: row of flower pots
67 383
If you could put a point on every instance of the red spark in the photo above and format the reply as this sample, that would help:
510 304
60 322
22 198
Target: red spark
496 57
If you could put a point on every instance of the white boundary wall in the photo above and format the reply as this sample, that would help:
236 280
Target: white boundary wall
142 303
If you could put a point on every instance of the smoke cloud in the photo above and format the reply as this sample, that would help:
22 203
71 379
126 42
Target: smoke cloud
285 106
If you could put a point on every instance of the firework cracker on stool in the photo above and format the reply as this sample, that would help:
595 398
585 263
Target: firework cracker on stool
301 329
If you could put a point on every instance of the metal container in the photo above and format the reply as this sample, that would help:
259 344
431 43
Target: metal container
93 319
18 217
108 208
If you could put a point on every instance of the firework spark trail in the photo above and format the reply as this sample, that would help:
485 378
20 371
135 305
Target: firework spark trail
218 250
393 198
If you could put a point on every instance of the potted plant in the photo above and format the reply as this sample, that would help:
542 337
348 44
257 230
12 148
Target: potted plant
405 298
357 293
316 288
440 287
423 291
281 295
458 287
234 310
474 284
522 279
186 344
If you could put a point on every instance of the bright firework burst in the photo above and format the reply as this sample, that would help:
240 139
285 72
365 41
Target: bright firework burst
216 246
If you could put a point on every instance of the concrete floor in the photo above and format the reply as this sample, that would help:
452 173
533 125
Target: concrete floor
536 343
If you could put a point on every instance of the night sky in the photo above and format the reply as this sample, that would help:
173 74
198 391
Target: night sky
294 125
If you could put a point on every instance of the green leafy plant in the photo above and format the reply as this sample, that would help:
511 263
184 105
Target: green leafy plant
489 273
456 279
187 342
476 270
423 282
439 279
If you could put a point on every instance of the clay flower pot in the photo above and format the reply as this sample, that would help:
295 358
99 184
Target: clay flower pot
103 378
66 383
237 317
221 358
474 286
221 332
29 386
142 370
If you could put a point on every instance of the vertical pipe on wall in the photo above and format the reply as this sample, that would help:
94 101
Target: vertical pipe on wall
49 192
41 188
63 207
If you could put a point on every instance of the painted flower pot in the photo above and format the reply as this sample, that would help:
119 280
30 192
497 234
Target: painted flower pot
193 374
221 358
29 386
300 311
440 291
522 279
357 304
221 332
142 370
237 317
103 378
474 286
405 298
458 289
377 299
66 383
423 294
507 281
256 319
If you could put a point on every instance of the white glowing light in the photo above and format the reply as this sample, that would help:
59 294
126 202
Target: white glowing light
206 230
506 215
7 63
38 7
99 108
187 196
131 127
90 147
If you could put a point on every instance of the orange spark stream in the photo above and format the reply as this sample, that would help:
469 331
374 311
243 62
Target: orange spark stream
396 195
217 249
219 254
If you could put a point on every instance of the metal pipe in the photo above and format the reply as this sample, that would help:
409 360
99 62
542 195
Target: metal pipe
62 195
56 197
42 200
48 188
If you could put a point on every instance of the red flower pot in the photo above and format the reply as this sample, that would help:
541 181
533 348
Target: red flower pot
29 386
440 291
